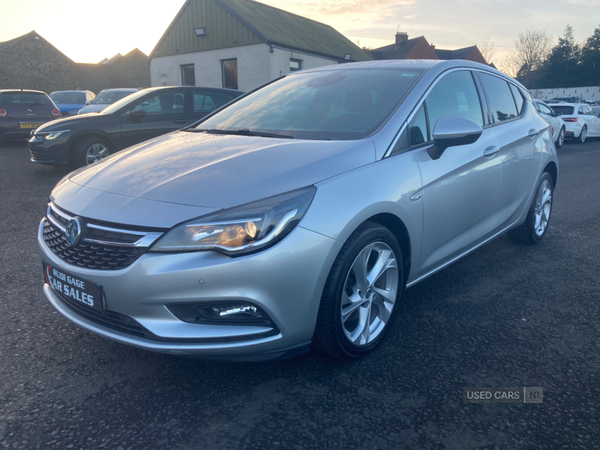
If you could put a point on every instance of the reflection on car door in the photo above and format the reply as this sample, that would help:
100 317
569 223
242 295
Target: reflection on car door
517 140
460 189
165 112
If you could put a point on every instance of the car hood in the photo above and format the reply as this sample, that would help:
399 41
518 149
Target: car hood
220 171
69 106
92 108
63 123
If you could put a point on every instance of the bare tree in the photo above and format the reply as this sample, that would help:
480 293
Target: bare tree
531 50
487 49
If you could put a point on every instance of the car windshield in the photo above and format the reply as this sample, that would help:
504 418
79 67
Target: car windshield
564 110
123 102
110 97
28 98
336 104
68 97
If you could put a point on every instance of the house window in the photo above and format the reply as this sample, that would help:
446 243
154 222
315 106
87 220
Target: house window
229 73
295 64
188 75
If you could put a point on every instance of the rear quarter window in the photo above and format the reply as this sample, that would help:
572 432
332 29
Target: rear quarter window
519 99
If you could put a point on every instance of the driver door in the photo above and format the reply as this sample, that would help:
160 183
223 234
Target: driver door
461 189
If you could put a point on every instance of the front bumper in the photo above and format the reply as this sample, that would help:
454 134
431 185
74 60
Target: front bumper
54 152
285 281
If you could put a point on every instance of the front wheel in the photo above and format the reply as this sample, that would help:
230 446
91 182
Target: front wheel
560 140
90 150
361 293
536 224
583 135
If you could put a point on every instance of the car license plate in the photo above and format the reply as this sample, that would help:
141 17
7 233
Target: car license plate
29 125
84 292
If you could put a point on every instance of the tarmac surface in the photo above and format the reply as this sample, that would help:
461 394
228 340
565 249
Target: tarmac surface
506 315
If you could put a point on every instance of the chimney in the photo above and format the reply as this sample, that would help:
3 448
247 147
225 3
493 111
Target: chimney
433 46
401 37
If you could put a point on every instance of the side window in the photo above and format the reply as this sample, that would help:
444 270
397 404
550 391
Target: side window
206 101
170 102
502 103
544 109
417 128
455 95
519 99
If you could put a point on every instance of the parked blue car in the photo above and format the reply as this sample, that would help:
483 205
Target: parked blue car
70 102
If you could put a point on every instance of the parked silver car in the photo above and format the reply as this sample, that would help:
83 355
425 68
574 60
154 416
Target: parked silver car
300 212
557 125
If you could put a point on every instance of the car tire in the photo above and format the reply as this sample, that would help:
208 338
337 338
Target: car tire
583 135
537 222
348 305
89 150
560 140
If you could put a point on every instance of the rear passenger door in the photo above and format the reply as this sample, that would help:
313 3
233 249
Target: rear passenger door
460 190
518 136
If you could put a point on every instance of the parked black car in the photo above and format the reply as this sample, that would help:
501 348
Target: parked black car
22 111
84 139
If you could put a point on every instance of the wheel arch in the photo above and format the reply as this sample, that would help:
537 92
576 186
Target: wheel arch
552 169
85 135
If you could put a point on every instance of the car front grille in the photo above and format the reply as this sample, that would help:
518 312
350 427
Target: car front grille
99 247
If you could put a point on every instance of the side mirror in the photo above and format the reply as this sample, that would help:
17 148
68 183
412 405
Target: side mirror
138 113
452 132
558 113
88 102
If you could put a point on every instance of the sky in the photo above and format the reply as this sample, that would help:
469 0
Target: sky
91 30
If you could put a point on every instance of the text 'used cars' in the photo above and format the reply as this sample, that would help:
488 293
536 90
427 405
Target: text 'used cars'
298 214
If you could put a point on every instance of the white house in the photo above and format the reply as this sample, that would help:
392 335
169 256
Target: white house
241 44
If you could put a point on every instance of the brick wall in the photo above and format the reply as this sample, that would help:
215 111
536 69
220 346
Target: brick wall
32 63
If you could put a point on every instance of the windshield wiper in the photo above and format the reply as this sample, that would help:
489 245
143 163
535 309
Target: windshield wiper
245 132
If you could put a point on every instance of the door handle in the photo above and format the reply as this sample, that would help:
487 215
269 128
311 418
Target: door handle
180 121
532 133
491 151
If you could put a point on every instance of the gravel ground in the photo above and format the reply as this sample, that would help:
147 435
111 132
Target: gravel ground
507 315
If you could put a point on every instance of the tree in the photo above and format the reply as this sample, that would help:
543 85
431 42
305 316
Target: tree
487 49
563 67
531 50
590 60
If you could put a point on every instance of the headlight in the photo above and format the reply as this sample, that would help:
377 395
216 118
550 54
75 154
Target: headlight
49 135
240 230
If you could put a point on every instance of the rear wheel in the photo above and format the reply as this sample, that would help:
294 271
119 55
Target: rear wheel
583 135
536 224
560 140
361 293
90 150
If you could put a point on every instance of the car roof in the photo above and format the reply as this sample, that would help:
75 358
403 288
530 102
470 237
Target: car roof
74 90
158 88
24 91
121 89
430 65
566 104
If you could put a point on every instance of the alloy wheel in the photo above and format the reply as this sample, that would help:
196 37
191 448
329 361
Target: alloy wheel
543 207
369 294
96 152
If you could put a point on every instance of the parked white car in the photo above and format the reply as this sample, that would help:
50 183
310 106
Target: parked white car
554 120
580 120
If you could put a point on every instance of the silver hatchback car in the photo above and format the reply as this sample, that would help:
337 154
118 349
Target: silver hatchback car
298 214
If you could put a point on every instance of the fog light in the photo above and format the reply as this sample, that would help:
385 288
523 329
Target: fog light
247 310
